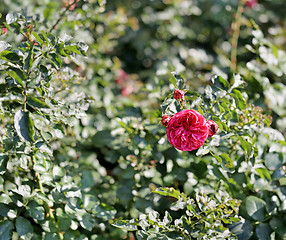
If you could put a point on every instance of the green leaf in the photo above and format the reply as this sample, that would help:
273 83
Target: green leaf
273 161
88 221
226 162
90 201
87 180
247 146
25 191
24 125
36 211
173 81
12 17
36 102
24 228
278 223
263 231
60 50
126 225
4 210
179 79
104 212
45 73
4 45
220 83
237 81
64 222
255 208
267 121
29 60
38 38
171 192
6 228
55 59
153 216
202 151
10 56
44 37
243 229
263 173
70 49
52 236
166 104
141 235
3 163
51 38
17 74
239 100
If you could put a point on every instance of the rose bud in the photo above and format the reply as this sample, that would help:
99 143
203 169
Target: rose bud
179 94
213 128
165 120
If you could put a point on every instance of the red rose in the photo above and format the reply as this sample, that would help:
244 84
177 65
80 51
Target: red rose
179 94
187 130
213 128
165 120
251 3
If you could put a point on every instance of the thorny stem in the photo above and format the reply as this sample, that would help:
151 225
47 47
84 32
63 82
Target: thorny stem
62 15
46 206
235 30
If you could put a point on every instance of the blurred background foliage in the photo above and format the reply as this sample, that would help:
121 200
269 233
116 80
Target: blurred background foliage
115 152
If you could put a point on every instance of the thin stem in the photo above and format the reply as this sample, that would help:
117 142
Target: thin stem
62 15
235 27
46 206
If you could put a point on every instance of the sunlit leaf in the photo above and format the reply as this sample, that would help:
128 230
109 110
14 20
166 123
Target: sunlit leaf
36 102
126 225
171 192
255 208
10 56
55 59
24 125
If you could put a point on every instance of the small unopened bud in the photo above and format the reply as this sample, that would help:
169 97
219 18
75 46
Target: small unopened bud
3 31
165 120
179 94
213 128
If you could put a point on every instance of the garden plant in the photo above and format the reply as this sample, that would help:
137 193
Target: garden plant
140 119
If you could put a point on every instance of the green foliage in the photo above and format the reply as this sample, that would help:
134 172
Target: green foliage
202 217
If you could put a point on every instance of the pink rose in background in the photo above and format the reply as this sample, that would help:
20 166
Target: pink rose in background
126 91
251 3
70 3
121 77
125 82
213 128
187 130
179 94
